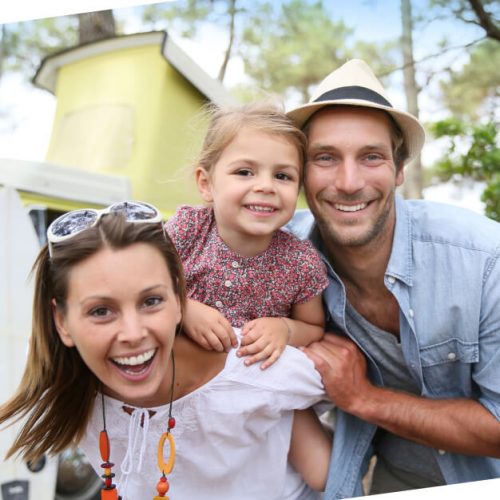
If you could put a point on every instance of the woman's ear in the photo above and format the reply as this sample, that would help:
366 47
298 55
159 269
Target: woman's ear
204 185
60 322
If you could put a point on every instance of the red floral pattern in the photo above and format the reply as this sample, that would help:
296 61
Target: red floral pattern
289 272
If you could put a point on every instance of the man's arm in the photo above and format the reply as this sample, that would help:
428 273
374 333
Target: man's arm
457 425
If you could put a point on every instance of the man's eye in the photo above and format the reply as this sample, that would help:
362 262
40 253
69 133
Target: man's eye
373 157
322 159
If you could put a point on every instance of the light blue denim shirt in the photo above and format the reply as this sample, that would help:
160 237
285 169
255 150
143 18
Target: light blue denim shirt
444 271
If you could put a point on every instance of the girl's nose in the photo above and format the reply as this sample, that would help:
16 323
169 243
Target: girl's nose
264 184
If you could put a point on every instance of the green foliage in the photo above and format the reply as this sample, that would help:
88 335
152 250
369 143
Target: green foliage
472 152
26 44
186 17
474 89
294 44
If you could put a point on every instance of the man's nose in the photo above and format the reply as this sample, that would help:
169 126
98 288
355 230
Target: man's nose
349 177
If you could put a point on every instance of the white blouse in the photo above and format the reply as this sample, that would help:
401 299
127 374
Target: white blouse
232 435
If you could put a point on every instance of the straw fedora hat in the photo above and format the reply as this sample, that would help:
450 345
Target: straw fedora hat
355 84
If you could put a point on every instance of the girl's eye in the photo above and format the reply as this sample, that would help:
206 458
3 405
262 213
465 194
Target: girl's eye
244 172
283 177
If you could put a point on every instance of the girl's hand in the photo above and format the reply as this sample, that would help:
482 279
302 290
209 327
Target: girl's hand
264 338
208 327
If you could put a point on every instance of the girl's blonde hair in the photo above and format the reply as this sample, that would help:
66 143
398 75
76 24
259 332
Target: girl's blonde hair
57 390
265 116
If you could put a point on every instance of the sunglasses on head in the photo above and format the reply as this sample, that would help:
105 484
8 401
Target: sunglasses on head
72 223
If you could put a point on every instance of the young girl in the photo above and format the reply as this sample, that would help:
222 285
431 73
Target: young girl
237 261
107 371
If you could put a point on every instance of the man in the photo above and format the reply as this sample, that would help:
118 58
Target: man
414 300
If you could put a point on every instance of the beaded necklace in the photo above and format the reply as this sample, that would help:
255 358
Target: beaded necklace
109 490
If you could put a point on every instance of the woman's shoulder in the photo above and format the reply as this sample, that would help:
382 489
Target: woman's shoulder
293 373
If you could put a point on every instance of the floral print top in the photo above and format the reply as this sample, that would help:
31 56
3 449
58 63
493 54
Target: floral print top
289 272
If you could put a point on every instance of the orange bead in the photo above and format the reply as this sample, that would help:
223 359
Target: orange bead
162 487
109 494
104 445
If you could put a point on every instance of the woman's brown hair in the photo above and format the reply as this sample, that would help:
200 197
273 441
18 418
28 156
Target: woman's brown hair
57 390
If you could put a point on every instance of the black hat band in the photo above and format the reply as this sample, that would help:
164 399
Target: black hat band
354 92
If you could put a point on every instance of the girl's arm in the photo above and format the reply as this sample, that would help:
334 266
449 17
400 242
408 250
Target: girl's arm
307 322
310 448
208 327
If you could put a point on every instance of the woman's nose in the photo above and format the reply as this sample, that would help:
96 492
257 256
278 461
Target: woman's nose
132 329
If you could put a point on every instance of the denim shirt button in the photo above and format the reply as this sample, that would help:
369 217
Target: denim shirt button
441 452
452 356
391 280
411 313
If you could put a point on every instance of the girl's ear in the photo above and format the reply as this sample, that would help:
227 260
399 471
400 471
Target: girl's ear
60 322
204 185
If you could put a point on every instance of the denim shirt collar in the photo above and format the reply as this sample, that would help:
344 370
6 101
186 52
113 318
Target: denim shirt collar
400 262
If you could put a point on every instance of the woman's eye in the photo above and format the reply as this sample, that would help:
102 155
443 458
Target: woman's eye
100 312
152 301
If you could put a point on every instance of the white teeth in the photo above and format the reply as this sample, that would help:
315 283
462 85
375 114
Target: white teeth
259 208
350 208
135 360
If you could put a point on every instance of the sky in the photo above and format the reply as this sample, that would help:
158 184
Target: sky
26 121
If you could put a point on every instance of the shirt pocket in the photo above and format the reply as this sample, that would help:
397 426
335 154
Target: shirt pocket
447 367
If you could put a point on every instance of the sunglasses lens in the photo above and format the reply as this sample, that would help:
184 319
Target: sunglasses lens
135 211
73 222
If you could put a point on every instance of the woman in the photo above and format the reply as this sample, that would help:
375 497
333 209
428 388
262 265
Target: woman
107 371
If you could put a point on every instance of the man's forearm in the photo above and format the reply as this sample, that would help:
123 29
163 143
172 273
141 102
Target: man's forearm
457 425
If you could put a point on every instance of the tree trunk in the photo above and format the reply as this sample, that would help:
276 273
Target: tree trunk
412 188
94 26
232 12
3 34
485 20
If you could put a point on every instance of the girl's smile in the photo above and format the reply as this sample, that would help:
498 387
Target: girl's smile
253 188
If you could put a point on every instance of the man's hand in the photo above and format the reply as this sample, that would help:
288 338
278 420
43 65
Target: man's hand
458 425
342 367
208 327
263 338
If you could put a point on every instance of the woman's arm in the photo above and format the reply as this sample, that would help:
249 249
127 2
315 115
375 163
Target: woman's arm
310 448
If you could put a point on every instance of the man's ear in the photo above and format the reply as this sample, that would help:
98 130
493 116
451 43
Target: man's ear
204 185
60 322
400 176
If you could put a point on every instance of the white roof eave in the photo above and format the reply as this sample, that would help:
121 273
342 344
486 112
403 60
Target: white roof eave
46 75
